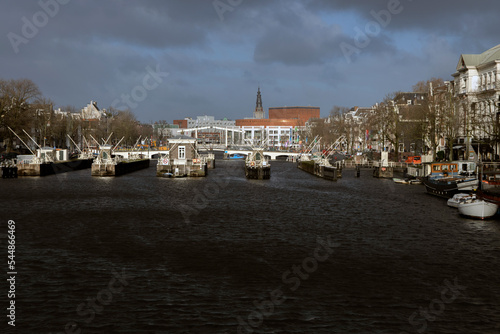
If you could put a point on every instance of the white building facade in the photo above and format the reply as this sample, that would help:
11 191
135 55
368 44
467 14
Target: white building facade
477 89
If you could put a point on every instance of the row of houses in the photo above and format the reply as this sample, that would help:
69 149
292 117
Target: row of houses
457 117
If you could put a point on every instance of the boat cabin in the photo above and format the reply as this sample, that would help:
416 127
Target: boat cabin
50 154
466 167
442 169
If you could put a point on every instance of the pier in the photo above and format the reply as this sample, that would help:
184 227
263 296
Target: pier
321 169
183 159
107 165
9 170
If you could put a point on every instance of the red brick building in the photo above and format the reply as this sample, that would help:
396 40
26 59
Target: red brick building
300 113
182 123
283 116
266 122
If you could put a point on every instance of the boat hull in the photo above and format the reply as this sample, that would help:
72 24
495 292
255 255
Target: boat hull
479 209
446 189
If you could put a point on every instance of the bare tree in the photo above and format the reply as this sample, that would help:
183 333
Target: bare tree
16 110
124 124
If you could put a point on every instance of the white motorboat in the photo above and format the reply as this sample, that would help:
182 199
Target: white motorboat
477 208
406 181
458 198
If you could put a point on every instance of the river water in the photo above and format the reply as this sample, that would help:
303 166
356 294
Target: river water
223 254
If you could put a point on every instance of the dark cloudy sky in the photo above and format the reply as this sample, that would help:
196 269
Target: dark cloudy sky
171 59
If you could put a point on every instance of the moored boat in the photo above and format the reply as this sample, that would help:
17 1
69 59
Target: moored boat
449 186
407 180
477 208
236 156
444 180
459 198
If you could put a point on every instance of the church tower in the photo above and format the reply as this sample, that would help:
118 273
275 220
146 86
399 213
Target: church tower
259 111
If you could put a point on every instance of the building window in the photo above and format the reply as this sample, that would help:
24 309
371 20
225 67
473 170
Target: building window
182 152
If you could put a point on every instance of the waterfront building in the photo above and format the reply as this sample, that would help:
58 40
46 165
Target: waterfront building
357 120
284 128
477 89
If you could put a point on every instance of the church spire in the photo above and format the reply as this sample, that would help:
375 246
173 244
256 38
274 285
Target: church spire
259 111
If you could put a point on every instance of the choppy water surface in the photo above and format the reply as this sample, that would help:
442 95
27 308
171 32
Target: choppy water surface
222 254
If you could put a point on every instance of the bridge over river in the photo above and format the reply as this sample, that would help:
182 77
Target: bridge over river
155 154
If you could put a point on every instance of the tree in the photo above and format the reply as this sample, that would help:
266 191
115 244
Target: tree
425 86
16 109
433 111
124 124
386 123
44 121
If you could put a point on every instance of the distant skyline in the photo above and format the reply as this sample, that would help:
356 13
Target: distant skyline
171 59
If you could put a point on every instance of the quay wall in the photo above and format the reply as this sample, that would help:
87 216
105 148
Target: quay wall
383 172
9 172
183 170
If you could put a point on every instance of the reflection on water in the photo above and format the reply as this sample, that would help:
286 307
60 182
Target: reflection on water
394 248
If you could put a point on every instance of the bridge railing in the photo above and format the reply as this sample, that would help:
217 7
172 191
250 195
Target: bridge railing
373 164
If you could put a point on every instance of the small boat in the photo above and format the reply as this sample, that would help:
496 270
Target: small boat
477 208
406 181
236 156
458 198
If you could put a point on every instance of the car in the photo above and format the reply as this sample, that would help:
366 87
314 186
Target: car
416 160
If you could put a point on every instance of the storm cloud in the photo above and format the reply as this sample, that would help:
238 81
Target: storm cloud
216 53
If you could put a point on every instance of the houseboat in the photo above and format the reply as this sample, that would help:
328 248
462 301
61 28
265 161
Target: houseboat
444 180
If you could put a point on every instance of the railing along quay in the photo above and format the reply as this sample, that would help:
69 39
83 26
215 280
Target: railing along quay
372 164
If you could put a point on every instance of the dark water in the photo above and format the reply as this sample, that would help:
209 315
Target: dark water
362 255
